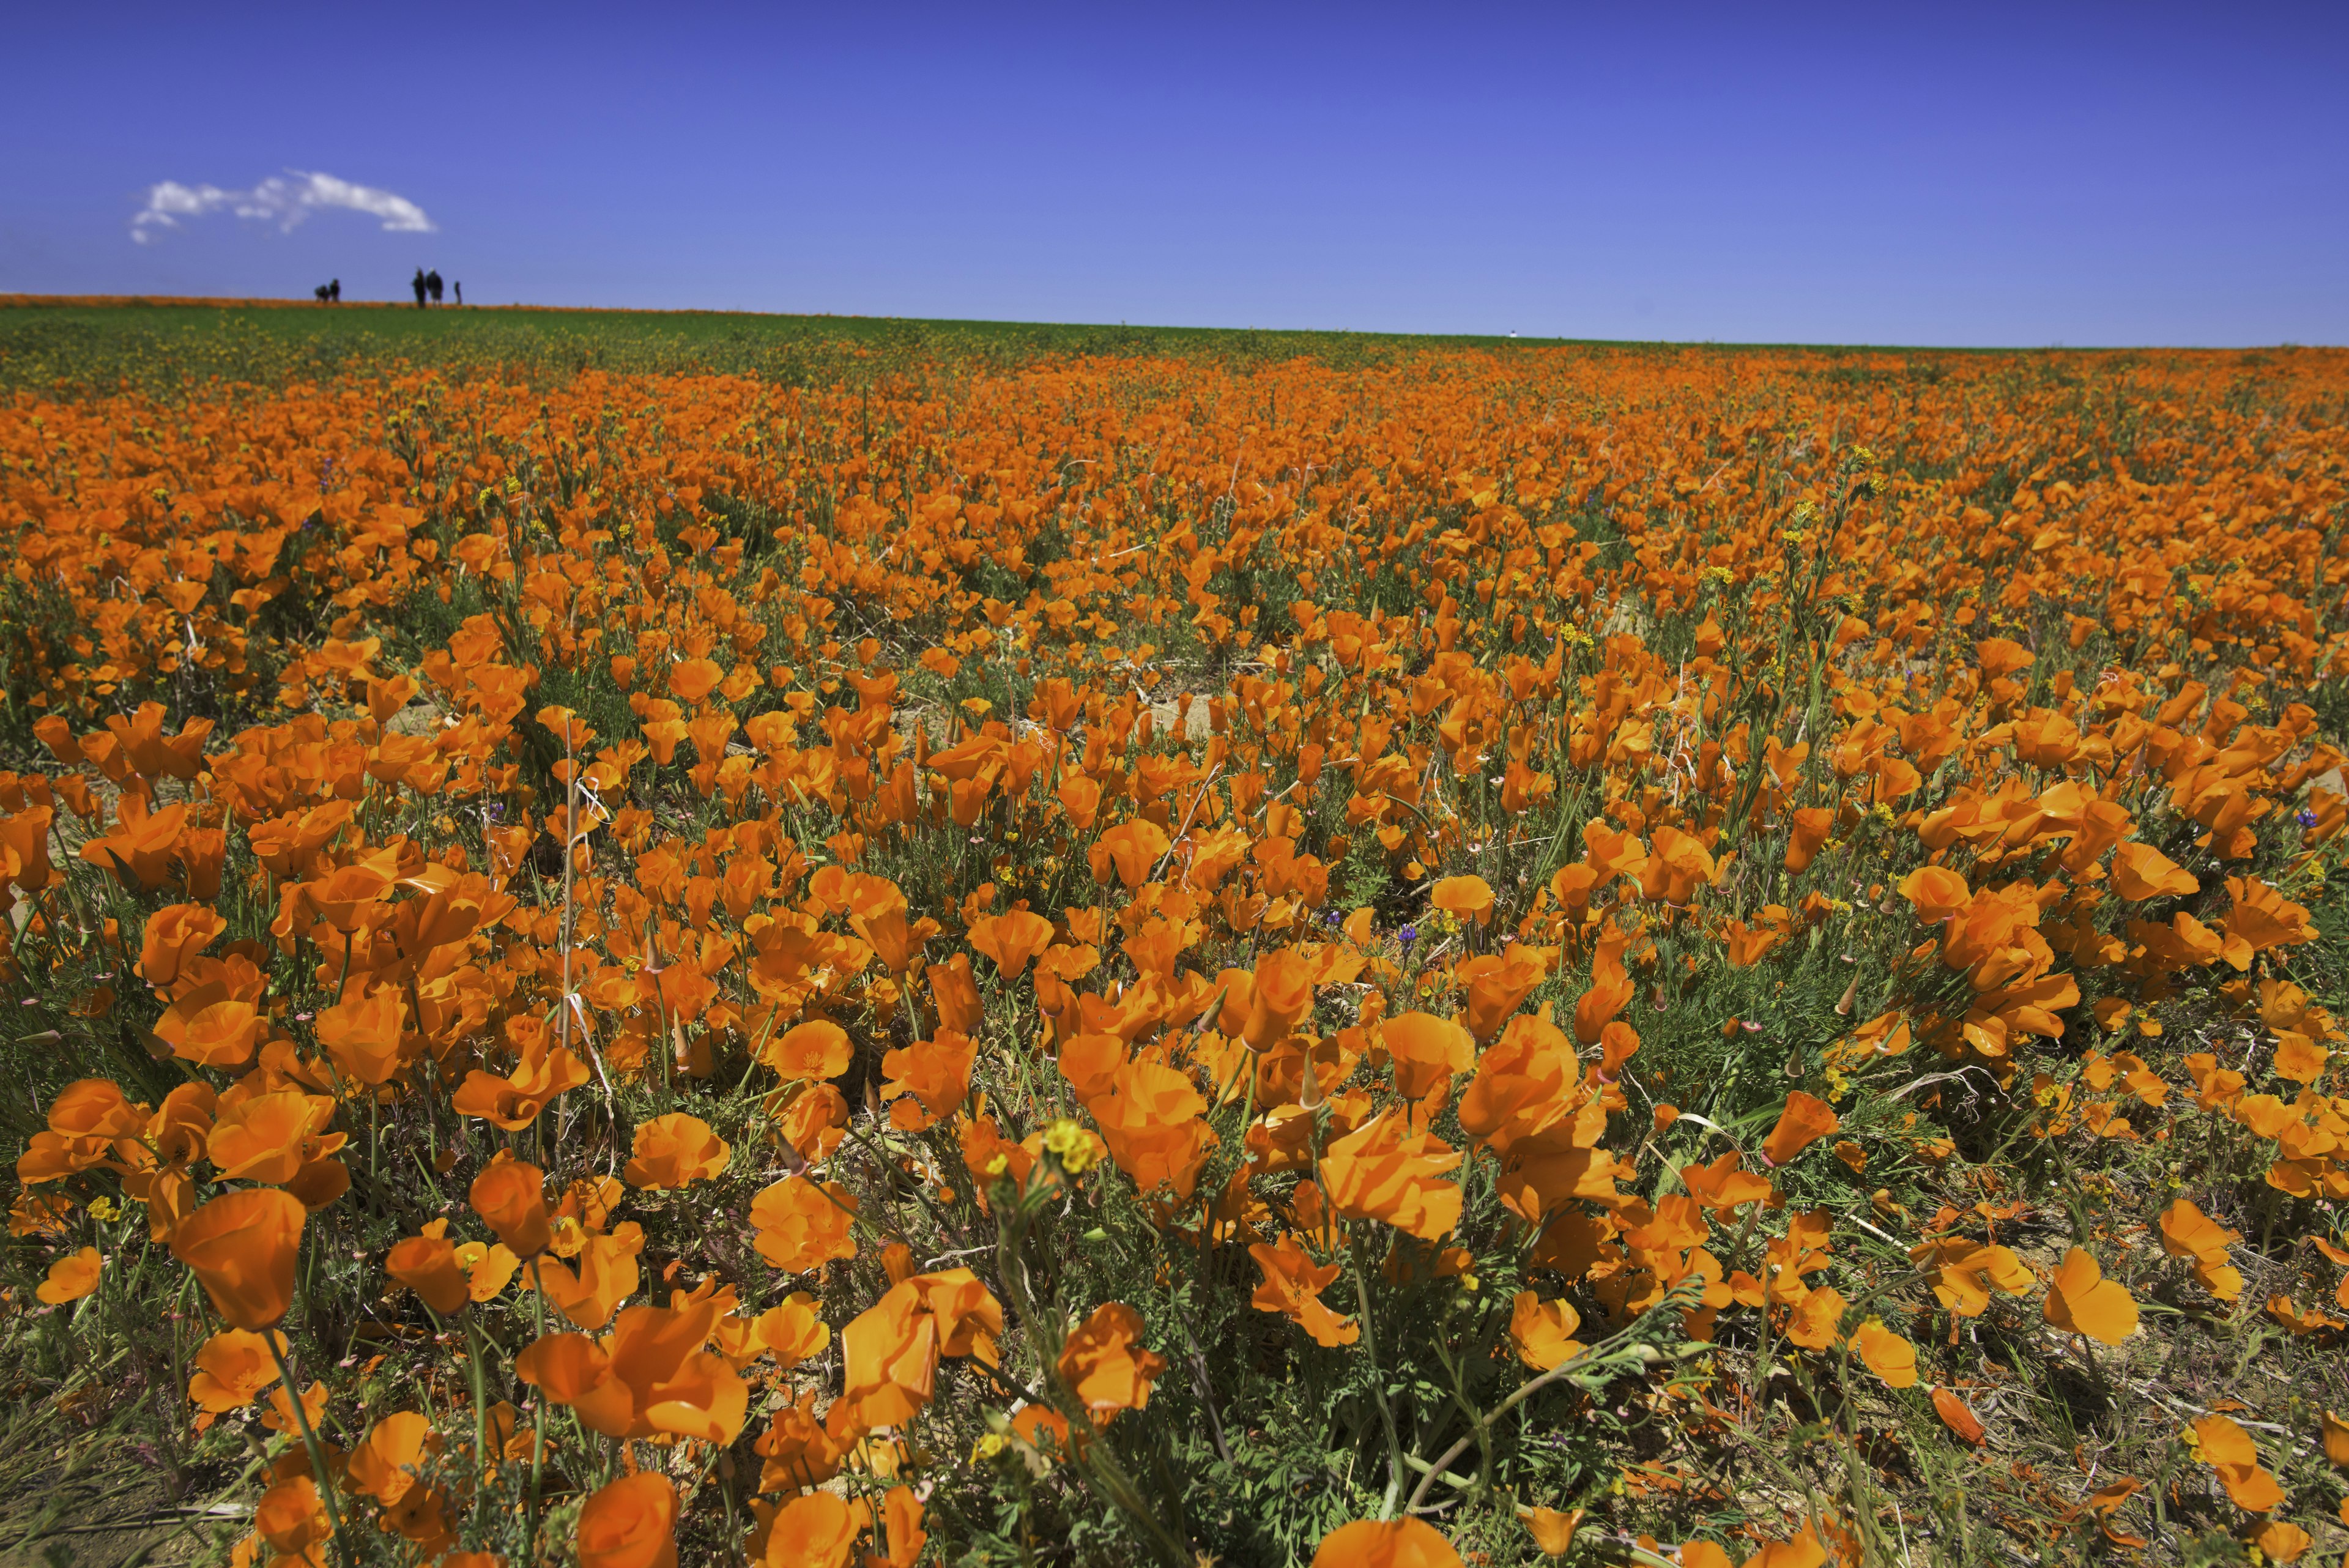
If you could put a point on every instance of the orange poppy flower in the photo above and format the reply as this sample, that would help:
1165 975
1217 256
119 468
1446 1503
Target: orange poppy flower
1543 1332
384 1464
2081 1301
1280 997
1152 1119
1134 847
1526 1083
1804 1551
813 1120
97 1109
362 1036
1496 984
815 1050
1470 897
1385 1543
70 1278
510 1197
1104 1363
1937 891
1292 1287
987 1155
649 1375
280 1415
2336 1441
572 1369
799 1452
1552 1532
1888 1355
1808 830
268 1138
674 1386
211 1028
428 1265
804 1225
818 1530
790 1333
1618 1044
487 1268
894 941
935 1073
2281 1541
1963 1273
173 937
1011 940
24 849
1091 1064
1678 865
691 680
138 852
1042 1427
900 1517
955 994
1805 1119
241 1246
1380 1171
629 1522
1722 1185
608 1275
513 1102
2223 1445
676 1150
1081 798
2187 1232
231 1369
1610 986
292 1517
1817 1321
2140 871
890 1355
891 1350
180 1127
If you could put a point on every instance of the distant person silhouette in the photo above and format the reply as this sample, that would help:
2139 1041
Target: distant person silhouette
335 291
432 281
419 286
460 292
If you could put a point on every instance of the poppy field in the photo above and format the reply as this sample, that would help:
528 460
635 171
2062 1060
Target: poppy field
1439 955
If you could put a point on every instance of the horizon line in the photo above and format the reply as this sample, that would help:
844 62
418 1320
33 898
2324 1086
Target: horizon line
20 301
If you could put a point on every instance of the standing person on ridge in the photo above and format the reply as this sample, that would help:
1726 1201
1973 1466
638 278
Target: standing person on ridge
335 292
460 292
419 287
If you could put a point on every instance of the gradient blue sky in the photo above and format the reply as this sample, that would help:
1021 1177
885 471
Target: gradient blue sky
1956 174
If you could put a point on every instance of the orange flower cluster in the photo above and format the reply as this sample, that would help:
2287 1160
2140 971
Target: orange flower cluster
791 937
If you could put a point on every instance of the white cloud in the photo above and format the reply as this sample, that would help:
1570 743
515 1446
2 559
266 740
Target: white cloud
282 199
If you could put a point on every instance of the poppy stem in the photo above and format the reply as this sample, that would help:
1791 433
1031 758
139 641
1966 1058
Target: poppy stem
537 1431
310 1441
1378 1378
1092 1455
481 1460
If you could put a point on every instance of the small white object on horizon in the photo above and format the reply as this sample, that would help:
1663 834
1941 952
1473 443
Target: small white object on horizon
286 198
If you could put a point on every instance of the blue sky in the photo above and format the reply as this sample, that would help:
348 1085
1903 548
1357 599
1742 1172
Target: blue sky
1956 174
